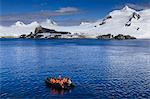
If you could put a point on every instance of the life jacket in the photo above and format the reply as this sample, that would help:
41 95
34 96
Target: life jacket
57 81
53 81
65 80
61 82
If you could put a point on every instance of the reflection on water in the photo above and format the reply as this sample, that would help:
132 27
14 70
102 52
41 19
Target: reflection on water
99 69
59 91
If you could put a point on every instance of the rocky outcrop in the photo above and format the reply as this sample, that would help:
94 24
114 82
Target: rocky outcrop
123 37
31 35
23 36
40 29
108 36
134 16
117 37
129 37
108 17
105 19
41 32
102 23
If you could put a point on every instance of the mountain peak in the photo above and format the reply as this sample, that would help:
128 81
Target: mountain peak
127 8
48 21
35 23
19 22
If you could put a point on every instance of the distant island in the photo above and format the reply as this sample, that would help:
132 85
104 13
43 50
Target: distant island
44 33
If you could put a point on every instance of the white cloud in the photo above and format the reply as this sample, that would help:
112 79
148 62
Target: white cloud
29 17
67 10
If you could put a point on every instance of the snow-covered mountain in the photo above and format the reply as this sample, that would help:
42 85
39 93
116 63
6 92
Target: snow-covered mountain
19 28
125 21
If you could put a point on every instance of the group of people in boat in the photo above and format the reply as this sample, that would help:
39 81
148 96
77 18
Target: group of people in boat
61 81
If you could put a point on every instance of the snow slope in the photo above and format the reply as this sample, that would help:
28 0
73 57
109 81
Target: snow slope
125 21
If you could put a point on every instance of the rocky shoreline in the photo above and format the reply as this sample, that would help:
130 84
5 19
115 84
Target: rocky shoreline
117 37
44 33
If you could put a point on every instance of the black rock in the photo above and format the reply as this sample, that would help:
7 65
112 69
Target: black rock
108 17
31 35
136 15
117 37
40 29
128 24
102 23
41 32
123 37
23 36
108 36
129 37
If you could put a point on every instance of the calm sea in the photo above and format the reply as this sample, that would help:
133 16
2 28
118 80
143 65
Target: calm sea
98 68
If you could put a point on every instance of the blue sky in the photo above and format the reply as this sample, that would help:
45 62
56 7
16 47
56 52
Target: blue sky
68 12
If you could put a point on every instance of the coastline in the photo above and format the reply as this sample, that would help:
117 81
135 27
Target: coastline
75 39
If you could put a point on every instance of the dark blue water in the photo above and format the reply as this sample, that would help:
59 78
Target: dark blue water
99 69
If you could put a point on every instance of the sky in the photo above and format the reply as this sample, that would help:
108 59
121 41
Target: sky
64 12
